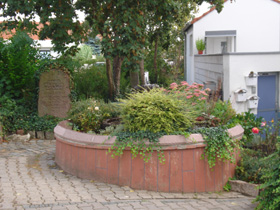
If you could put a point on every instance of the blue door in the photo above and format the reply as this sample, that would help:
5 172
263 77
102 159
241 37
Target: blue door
268 93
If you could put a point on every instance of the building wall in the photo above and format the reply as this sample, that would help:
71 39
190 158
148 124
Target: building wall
233 68
46 45
208 68
257 23
239 66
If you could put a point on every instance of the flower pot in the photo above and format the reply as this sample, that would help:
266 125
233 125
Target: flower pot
200 52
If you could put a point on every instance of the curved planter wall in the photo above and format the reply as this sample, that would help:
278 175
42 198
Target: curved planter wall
85 155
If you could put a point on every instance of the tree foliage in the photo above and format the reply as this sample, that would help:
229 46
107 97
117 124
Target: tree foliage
18 63
123 24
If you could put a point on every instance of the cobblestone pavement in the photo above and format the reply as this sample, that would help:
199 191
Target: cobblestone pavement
29 179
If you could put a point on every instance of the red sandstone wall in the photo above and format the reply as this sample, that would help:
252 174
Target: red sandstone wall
183 171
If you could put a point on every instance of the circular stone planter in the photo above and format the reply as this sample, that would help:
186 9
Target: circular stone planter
85 155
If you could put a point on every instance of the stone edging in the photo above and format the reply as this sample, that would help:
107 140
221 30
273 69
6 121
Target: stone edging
244 187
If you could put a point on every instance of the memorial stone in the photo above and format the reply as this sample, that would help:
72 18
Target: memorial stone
54 91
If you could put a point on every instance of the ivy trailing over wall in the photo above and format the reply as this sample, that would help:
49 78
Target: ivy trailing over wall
141 143
219 145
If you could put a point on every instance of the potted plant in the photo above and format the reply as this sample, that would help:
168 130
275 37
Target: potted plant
200 46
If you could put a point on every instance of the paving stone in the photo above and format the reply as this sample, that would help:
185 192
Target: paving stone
30 180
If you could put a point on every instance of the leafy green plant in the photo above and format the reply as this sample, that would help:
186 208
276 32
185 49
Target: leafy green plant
91 82
222 110
269 197
270 136
200 44
251 167
163 74
16 115
84 54
7 111
227 187
219 145
87 115
18 64
156 111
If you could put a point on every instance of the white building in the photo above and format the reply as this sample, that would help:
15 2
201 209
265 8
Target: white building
244 38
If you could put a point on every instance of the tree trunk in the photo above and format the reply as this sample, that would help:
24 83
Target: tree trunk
117 64
134 78
142 72
110 79
155 60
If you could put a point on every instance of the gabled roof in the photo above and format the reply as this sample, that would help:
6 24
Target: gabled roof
189 24
203 15
9 34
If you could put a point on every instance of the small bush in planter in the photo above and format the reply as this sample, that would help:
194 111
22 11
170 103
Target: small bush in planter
146 117
156 111
87 115
194 95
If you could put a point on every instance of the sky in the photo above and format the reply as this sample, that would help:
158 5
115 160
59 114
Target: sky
202 9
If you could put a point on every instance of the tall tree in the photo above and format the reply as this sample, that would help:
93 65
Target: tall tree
121 23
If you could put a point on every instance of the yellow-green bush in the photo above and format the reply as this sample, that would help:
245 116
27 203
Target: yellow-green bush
156 111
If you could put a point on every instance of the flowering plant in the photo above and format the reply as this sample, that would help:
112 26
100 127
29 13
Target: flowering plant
193 94
255 130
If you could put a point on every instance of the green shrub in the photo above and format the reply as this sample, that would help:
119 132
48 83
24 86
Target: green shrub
222 111
45 123
84 54
156 111
16 115
270 137
251 167
91 83
164 73
18 64
87 115
7 111
269 198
